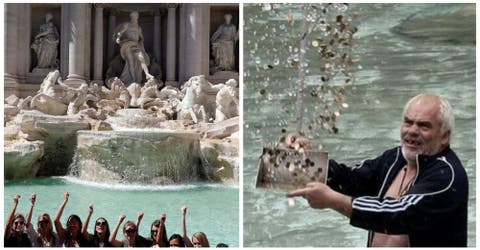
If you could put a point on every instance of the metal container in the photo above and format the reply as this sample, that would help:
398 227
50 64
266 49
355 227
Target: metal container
287 168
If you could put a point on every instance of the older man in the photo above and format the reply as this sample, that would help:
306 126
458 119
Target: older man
412 195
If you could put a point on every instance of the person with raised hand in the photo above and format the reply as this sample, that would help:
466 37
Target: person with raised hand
70 236
159 232
101 230
45 236
14 229
199 239
130 232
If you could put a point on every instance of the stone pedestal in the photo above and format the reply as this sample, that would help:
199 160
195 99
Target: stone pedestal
37 75
222 76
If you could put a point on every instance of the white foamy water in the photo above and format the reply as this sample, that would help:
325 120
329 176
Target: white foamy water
140 187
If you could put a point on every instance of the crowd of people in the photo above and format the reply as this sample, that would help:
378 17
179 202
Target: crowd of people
20 232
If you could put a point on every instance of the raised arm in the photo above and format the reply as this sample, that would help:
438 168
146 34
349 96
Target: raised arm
162 232
58 215
8 227
187 241
28 225
139 219
85 224
32 199
114 242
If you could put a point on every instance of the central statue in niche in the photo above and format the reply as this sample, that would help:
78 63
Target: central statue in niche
129 37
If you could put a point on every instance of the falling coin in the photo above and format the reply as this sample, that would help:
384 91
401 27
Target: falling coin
291 202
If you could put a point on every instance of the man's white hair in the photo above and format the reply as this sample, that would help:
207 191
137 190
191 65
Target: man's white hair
447 119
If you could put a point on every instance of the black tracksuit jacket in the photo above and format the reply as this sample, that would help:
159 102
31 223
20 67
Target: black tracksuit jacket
433 212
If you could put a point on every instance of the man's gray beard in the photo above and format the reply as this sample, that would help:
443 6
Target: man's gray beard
409 159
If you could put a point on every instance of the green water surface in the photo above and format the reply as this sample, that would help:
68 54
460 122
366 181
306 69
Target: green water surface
213 209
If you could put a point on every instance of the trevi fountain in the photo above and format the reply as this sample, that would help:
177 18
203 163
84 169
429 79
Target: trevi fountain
153 128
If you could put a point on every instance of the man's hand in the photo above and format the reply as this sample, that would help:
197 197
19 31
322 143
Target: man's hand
296 141
318 195
322 196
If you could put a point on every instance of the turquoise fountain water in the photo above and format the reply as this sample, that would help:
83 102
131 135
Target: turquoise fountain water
213 208
394 65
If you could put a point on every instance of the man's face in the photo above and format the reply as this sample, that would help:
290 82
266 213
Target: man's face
420 131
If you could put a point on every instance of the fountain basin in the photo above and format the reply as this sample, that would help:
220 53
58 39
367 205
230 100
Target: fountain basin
21 159
139 156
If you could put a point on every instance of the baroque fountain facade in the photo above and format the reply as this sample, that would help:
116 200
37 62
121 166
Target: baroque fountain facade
122 93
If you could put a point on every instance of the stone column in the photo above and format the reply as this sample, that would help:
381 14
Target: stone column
98 45
156 35
24 49
205 40
79 44
195 31
11 22
171 42
111 28
64 40
181 42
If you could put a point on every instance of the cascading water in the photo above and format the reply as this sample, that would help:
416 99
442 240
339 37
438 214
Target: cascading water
139 156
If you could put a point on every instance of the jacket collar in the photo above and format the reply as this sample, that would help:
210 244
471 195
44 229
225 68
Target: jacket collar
422 161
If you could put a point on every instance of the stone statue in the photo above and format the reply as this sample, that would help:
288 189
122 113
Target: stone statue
130 38
47 101
79 97
227 101
110 100
149 94
116 90
46 44
198 103
170 92
223 46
